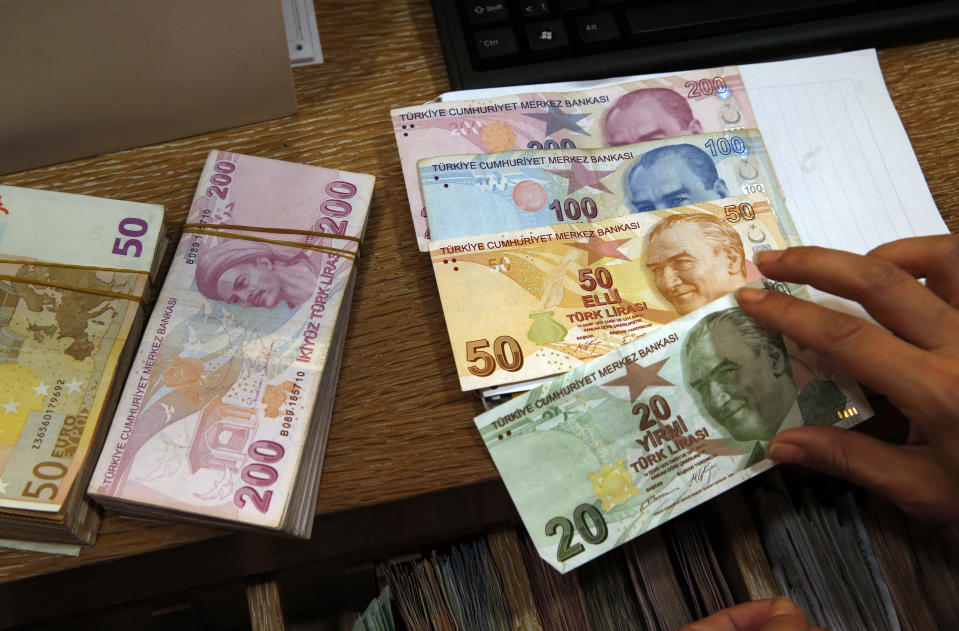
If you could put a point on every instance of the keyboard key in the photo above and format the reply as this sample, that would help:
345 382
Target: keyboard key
496 43
531 9
573 5
486 12
546 36
599 28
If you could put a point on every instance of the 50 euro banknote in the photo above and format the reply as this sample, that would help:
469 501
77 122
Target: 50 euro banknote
73 271
626 442
619 114
225 412
530 304
479 194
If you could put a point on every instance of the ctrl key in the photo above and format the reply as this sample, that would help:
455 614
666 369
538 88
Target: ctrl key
495 44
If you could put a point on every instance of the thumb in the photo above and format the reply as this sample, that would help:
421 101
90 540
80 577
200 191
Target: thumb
908 475
784 615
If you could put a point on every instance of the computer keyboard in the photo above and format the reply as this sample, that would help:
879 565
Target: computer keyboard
512 42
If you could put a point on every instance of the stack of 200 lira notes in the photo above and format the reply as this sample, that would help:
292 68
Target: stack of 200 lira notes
585 247
226 411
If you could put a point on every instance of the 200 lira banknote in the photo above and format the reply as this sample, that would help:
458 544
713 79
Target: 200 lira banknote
225 412
619 114
529 304
621 444
479 194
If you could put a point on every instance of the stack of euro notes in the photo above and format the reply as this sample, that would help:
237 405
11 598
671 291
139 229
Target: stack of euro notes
578 239
75 277
225 414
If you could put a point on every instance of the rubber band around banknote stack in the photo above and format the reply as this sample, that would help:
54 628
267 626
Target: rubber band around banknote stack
86 290
213 230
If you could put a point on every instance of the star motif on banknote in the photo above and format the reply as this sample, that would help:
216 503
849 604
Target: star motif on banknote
10 407
3 487
639 377
579 176
556 119
74 385
41 389
599 248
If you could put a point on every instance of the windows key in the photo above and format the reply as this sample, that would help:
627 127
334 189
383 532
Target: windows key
547 35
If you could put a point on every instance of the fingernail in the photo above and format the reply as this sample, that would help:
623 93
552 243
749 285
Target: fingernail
782 605
785 452
767 256
750 294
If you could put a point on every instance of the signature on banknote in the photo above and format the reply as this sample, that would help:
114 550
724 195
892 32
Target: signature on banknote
703 474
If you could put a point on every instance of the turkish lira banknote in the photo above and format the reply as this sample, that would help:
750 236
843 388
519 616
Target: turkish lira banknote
477 194
620 114
528 304
73 270
624 443
219 417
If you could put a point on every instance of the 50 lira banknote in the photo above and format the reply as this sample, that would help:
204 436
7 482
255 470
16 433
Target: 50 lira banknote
620 114
529 304
624 443
479 194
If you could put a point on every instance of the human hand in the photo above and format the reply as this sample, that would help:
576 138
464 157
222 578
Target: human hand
759 615
915 363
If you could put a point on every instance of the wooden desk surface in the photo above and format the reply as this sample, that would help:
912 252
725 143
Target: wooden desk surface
401 426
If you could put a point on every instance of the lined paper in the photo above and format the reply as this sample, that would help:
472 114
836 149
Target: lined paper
845 163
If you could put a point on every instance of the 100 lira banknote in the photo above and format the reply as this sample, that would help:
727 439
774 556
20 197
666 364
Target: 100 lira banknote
530 304
479 194
620 114
624 443
217 416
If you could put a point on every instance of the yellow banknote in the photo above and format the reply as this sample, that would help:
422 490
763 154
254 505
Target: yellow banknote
63 332
528 304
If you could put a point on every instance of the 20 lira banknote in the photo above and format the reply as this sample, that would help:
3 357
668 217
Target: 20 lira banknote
624 443
620 114
529 304
479 194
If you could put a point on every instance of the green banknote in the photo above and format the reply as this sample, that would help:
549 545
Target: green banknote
624 443
536 303
475 194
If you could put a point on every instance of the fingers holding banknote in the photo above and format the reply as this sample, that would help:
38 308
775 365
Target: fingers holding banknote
914 361
759 615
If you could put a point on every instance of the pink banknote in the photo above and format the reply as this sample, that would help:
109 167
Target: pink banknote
219 402
634 111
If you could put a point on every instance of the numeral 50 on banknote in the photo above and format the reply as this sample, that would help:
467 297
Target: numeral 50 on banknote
530 304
